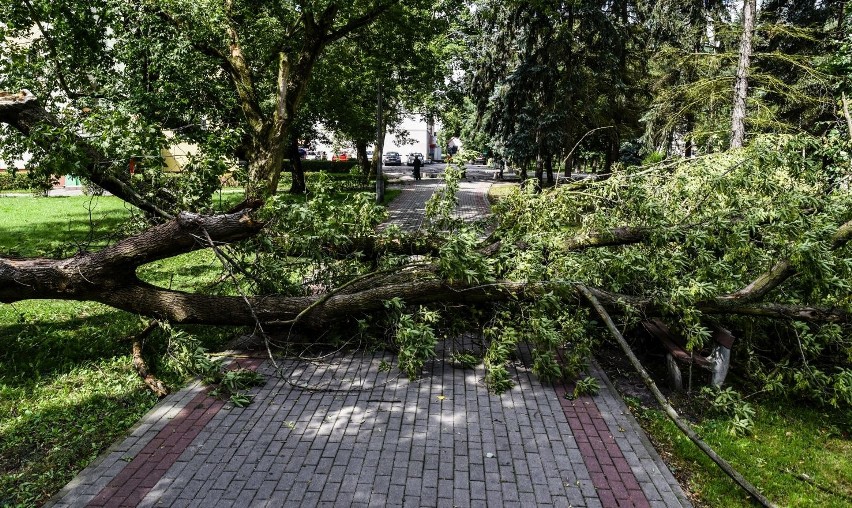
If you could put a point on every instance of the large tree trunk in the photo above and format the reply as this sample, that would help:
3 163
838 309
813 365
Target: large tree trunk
548 168
539 171
109 277
363 162
741 85
298 185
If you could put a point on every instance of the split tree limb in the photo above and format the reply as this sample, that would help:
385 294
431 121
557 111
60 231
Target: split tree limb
141 365
780 272
720 306
670 411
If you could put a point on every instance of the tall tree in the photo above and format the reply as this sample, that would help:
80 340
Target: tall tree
549 72
738 113
264 53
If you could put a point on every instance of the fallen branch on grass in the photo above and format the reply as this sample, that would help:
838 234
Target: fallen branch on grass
141 366
670 411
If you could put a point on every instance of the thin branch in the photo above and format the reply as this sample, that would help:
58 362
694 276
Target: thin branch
846 113
138 342
51 47
24 112
670 411
359 22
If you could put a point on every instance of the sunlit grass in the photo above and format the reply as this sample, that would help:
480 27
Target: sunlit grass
59 226
796 456
67 386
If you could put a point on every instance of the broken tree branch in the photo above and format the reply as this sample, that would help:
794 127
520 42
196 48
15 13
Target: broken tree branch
670 411
141 365
24 112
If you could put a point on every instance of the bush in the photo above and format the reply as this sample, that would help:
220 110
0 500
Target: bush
328 166
10 181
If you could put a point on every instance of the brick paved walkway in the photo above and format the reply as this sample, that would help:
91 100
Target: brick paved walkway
407 211
347 431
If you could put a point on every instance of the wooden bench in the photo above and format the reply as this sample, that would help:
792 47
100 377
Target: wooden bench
717 362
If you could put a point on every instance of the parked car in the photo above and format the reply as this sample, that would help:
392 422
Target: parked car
411 156
340 157
311 155
392 159
479 159
302 153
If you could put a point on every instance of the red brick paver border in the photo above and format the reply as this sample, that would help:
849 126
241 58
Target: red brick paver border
611 475
145 470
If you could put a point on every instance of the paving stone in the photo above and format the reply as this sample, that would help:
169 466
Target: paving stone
389 442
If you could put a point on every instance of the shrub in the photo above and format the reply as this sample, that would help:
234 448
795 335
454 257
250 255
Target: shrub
10 181
328 166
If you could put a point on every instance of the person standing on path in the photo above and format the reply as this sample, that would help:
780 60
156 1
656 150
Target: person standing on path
417 165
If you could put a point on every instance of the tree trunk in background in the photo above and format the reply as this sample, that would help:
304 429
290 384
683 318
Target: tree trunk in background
363 162
298 186
548 168
611 155
688 150
741 84
569 166
539 170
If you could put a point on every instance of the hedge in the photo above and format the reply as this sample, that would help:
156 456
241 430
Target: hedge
13 181
328 166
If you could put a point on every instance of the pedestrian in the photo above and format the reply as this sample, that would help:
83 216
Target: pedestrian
417 165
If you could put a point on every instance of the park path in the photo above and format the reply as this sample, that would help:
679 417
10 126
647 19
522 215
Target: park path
346 430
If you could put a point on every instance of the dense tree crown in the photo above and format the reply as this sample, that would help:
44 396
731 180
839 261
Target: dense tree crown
755 238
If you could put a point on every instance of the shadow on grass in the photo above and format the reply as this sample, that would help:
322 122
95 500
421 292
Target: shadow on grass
42 450
61 238
41 348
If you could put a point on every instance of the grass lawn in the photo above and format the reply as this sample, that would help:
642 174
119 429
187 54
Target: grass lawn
58 226
796 455
67 387
499 191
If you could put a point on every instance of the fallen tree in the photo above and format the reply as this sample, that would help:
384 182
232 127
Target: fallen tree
759 233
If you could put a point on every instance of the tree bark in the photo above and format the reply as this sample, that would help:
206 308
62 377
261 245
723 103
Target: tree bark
741 84
109 277
548 169
298 185
363 162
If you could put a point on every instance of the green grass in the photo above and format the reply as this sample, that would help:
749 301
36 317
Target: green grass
67 391
788 440
499 191
59 226
67 387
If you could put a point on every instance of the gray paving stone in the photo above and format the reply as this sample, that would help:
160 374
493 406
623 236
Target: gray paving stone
388 441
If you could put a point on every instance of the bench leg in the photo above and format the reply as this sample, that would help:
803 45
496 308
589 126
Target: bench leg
675 378
721 358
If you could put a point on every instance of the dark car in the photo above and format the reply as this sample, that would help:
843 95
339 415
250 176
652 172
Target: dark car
392 159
